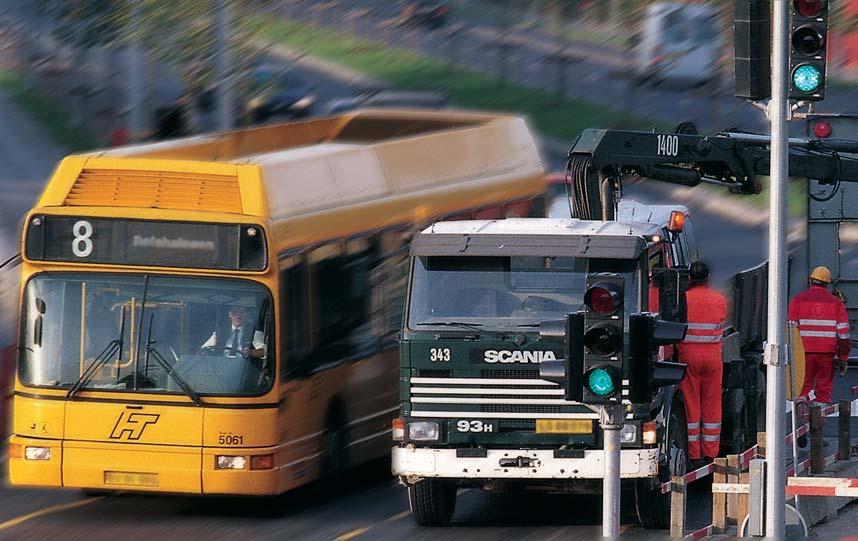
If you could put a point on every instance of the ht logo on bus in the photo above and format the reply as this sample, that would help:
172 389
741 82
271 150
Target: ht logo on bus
130 426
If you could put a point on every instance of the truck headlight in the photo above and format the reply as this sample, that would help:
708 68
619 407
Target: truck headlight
37 453
224 462
424 431
629 434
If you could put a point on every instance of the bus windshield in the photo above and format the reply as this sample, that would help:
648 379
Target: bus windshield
504 292
194 336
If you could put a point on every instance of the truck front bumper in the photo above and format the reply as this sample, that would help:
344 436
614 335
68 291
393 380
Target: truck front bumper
414 462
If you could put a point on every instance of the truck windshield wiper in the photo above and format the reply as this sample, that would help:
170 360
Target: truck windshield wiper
469 326
152 352
106 354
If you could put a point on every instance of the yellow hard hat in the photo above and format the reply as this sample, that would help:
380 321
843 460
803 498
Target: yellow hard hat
821 274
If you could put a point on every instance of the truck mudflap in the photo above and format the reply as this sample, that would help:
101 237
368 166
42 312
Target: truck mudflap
410 462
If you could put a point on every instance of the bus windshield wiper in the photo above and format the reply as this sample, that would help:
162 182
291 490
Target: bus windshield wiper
106 354
152 352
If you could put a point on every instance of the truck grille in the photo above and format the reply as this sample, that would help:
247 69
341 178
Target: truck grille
514 397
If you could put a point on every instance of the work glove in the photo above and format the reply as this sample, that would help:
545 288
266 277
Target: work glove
844 366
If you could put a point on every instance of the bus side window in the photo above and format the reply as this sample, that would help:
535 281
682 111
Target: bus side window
295 320
329 283
361 280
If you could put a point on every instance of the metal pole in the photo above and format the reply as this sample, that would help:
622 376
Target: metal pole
135 75
222 60
611 420
775 385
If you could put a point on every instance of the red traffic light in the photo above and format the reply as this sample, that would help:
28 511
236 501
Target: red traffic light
809 8
604 298
822 129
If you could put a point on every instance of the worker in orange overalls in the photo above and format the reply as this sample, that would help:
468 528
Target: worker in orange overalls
824 329
701 351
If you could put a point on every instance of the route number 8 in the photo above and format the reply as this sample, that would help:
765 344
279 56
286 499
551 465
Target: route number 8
82 243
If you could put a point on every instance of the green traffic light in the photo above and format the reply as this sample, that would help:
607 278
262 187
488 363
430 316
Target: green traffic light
600 382
807 78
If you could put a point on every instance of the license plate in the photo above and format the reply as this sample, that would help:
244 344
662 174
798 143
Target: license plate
131 479
555 426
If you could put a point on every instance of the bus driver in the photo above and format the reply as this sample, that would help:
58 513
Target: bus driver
238 337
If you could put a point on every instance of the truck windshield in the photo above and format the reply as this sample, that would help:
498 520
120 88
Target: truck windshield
195 336
503 292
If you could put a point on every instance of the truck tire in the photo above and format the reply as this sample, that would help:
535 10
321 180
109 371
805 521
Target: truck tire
433 502
653 507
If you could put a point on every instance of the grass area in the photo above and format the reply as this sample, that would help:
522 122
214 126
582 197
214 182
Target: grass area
550 113
53 118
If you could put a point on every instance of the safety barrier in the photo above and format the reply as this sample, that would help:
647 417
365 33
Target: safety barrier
731 483
822 486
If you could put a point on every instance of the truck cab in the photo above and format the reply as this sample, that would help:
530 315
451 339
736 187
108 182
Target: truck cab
474 411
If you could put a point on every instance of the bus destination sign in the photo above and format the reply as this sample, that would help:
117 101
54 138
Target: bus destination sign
145 243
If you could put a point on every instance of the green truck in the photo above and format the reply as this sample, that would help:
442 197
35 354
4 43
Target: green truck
483 297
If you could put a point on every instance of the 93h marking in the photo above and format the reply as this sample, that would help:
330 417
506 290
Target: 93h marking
474 426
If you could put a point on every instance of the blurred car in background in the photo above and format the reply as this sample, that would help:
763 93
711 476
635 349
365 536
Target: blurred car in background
679 43
428 13
274 93
412 99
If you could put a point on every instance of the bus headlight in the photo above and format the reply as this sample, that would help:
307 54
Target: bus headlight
629 434
424 431
37 453
224 462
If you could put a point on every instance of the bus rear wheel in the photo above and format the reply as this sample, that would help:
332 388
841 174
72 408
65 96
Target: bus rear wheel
433 502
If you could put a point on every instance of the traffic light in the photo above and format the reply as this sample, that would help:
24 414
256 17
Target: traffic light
808 49
603 340
672 284
753 67
646 335
566 372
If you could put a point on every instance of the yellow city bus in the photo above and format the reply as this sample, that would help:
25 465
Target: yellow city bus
218 314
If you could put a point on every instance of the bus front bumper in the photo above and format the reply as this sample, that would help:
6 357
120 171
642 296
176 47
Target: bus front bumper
416 463
144 468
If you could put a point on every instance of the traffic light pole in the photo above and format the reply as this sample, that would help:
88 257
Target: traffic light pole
611 421
779 112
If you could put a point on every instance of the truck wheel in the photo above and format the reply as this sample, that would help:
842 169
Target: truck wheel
652 506
433 502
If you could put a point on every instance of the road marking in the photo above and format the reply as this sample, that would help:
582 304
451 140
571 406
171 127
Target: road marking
398 516
352 534
47 511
